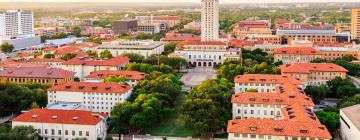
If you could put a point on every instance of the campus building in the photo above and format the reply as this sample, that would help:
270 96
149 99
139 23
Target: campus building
313 73
209 20
53 124
96 97
41 75
284 113
289 55
145 48
349 123
133 77
205 53
83 66
355 23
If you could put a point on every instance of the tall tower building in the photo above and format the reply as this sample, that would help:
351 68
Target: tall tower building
355 23
209 20
15 23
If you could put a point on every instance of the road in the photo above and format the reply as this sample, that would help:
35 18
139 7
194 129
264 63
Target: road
355 81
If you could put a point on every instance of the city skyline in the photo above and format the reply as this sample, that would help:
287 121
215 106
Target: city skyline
183 1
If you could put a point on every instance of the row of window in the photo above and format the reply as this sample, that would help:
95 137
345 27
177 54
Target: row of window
66 133
270 137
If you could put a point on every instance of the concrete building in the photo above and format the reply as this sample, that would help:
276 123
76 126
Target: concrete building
205 53
289 55
57 124
41 75
355 23
209 20
153 28
313 73
125 26
349 123
95 97
246 29
313 35
334 52
145 48
133 77
83 66
17 28
169 20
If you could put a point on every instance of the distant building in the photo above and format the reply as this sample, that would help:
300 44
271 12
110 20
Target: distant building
355 23
334 52
145 48
17 28
169 20
194 25
313 73
41 75
125 26
64 124
288 55
151 28
83 66
53 62
209 20
133 77
349 123
96 97
312 34
89 30
246 29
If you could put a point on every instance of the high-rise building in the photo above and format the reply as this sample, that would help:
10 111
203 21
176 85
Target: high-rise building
17 28
355 23
125 26
16 22
209 20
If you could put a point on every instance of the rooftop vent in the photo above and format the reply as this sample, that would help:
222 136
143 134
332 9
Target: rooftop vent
107 88
94 88
54 117
68 86
278 129
34 116
75 118
81 87
253 128
266 100
252 99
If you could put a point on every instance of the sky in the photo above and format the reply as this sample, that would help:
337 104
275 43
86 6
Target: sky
178 1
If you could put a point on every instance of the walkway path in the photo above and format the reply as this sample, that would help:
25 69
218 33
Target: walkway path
195 76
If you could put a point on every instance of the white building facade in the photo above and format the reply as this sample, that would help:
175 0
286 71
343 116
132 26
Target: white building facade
209 20
349 123
95 97
145 48
64 124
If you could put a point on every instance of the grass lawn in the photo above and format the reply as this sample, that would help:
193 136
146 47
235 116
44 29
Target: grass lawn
174 124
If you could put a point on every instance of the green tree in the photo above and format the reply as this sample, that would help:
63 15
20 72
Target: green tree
134 57
68 56
6 47
91 53
329 119
251 90
106 54
18 133
77 31
117 79
347 91
34 105
317 92
336 83
48 56
170 47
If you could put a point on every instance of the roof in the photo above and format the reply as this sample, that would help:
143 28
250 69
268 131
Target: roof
238 43
271 98
93 61
12 64
311 67
266 79
80 117
181 37
91 87
211 43
102 74
34 60
297 50
278 128
353 113
36 72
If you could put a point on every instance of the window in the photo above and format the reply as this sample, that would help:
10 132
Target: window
261 136
80 133
59 132
66 132
45 131
252 136
73 133
87 133
294 138
244 135
236 135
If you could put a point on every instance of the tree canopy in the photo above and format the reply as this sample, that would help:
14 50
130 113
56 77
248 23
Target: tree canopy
6 47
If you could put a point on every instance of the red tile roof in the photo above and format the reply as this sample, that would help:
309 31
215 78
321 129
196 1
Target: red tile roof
266 79
237 43
92 61
170 17
91 87
60 117
311 67
12 64
297 50
102 74
181 37
278 128
34 60
36 72
183 43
